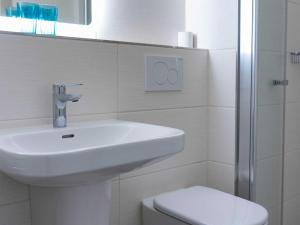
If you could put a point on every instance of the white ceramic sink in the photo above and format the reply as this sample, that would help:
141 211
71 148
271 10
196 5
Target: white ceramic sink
70 170
52 157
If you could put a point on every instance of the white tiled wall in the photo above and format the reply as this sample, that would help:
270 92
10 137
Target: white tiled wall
269 131
186 110
113 77
222 79
114 88
216 22
29 67
132 96
292 145
221 176
268 181
271 26
222 115
221 135
14 205
17 213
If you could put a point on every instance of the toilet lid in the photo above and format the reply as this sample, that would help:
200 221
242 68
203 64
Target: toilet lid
206 206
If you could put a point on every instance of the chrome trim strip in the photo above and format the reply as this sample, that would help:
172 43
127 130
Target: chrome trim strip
284 116
237 111
246 100
254 91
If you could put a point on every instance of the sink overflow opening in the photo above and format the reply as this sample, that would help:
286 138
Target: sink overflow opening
68 136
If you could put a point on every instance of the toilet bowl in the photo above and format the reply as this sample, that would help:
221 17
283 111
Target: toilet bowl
201 206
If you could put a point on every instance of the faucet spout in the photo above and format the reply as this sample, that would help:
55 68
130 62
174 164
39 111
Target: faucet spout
68 97
76 98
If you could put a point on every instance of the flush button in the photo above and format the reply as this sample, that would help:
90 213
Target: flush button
173 76
160 73
163 73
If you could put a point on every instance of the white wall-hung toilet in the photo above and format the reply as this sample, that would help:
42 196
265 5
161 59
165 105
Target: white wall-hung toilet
201 206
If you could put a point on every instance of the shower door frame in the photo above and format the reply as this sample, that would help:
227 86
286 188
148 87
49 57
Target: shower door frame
246 99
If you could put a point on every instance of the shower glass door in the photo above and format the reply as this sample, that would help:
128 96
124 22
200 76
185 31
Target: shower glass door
270 80
262 82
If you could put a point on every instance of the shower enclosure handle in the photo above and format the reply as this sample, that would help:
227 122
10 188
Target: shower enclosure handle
280 82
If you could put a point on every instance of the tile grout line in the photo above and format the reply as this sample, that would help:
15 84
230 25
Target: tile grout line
88 115
15 202
163 170
118 81
118 113
178 108
208 109
221 163
118 117
30 204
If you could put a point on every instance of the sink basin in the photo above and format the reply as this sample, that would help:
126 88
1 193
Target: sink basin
52 157
70 169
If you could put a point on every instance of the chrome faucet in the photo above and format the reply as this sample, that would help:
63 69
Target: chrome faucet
60 99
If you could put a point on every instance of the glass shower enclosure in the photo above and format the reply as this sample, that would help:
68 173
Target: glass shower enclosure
262 83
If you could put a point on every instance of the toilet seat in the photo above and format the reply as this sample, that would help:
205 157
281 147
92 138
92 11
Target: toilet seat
206 206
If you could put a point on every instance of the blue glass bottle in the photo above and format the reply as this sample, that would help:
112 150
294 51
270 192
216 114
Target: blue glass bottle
28 13
47 18
12 12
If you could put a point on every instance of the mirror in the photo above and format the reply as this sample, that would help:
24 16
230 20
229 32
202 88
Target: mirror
156 22
68 11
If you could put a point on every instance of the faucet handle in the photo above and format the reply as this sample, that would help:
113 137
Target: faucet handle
73 84
64 85
61 87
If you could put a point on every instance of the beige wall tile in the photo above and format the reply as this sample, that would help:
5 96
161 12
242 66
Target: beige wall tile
292 175
269 135
291 211
221 138
15 214
192 120
221 176
29 66
12 191
293 27
132 96
6 124
275 215
222 78
271 26
268 181
270 67
115 204
134 190
95 64
292 127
